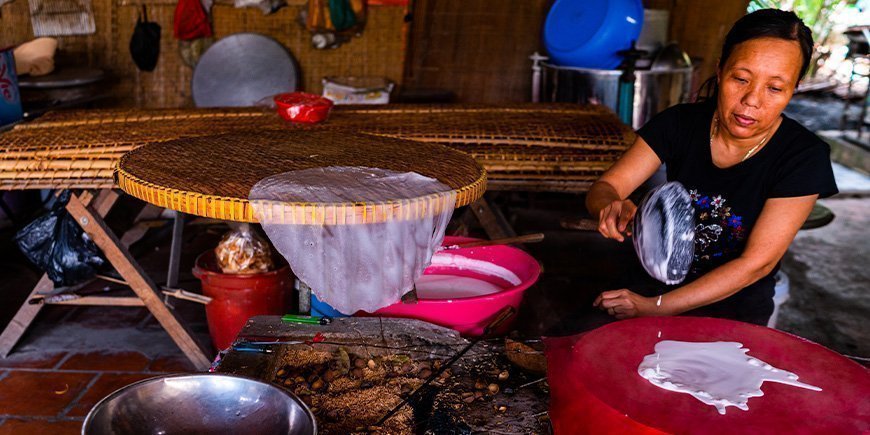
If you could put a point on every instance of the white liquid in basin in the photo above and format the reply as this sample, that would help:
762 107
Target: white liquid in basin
445 259
452 287
716 373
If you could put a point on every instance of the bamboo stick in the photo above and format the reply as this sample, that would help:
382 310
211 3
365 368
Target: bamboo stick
86 173
43 165
575 143
56 184
142 118
71 152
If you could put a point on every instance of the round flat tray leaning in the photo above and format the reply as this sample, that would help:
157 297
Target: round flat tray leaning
63 78
212 176
241 70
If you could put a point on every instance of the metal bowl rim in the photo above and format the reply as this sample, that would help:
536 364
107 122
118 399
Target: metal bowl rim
90 416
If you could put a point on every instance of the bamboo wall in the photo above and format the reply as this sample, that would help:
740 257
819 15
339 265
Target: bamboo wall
478 49
379 51
700 26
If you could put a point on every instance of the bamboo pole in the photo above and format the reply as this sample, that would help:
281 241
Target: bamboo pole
42 165
72 174
101 151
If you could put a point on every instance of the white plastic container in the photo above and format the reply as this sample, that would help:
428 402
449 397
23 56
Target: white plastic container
357 90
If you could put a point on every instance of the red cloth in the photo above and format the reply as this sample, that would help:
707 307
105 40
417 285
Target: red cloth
191 21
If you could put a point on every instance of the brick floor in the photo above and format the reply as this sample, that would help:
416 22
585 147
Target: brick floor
106 384
107 362
171 364
32 360
14 426
40 393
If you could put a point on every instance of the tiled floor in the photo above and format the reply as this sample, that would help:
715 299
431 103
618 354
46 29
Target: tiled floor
51 392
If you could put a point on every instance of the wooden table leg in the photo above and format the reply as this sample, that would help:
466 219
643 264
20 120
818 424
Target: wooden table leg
139 281
23 318
27 313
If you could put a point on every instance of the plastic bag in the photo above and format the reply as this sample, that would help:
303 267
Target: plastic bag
145 42
191 21
266 6
361 257
241 251
57 244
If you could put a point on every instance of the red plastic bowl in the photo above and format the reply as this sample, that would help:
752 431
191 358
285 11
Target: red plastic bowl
302 107
470 315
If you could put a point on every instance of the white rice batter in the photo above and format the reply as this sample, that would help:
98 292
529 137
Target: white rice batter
453 287
444 259
716 373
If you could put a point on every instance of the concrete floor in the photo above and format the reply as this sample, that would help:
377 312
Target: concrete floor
830 280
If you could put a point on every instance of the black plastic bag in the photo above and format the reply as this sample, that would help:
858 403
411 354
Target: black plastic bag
56 243
145 43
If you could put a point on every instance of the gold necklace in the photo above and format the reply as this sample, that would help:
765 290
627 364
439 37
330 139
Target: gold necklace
715 130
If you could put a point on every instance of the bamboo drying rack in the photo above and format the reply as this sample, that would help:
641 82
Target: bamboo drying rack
212 176
522 146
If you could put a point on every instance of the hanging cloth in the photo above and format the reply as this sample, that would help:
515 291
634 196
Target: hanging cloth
341 14
191 21
145 43
336 15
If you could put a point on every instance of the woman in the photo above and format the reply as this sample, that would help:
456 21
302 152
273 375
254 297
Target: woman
753 174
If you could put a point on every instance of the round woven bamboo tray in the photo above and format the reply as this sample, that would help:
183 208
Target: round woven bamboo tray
212 176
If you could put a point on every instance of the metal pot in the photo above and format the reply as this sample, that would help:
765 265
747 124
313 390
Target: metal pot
200 404
654 91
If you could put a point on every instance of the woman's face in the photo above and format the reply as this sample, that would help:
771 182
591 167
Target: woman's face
756 83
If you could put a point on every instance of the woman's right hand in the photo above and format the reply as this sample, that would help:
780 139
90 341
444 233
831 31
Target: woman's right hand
613 220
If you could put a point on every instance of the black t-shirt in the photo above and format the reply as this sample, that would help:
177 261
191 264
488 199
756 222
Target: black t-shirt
794 162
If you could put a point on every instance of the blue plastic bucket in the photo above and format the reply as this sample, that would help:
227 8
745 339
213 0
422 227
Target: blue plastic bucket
320 308
589 33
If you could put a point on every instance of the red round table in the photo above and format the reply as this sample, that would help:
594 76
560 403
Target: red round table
595 387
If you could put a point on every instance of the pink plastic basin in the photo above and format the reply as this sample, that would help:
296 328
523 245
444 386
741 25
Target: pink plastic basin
471 314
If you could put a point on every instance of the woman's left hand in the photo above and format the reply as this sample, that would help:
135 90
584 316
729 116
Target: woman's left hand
625 304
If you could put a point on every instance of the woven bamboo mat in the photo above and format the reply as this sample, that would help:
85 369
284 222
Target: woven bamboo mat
541 142
212 176
549 125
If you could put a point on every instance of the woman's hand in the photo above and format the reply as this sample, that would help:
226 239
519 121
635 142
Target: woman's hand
625 304
613 220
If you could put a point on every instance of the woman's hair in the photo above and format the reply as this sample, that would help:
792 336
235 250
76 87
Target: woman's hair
763 23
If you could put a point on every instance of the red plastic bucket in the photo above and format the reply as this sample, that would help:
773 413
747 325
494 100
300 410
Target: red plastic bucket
237 298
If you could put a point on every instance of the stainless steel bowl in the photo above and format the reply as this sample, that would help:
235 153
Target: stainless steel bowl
200 404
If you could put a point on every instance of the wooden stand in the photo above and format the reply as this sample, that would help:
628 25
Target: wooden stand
491 219
89 212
